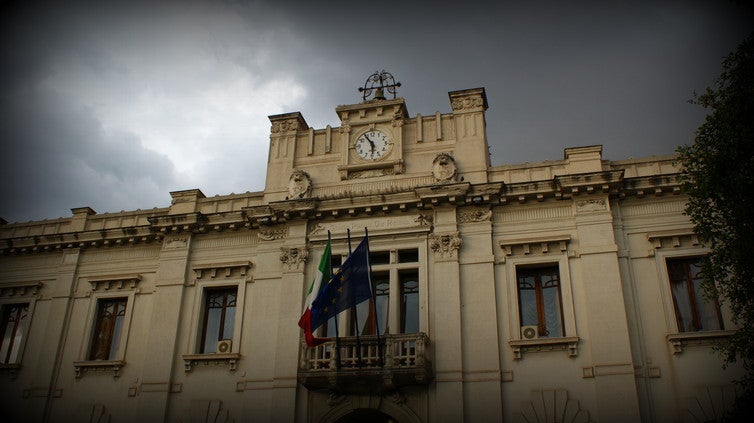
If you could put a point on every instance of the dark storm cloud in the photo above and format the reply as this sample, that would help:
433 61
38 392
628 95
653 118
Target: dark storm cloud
114 104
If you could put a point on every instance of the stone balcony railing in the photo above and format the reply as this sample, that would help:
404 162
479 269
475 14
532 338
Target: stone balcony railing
404 362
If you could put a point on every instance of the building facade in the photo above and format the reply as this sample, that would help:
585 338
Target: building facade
565 290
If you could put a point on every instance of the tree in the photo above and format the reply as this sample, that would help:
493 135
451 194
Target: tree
717 172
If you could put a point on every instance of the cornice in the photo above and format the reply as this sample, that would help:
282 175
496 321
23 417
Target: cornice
611 183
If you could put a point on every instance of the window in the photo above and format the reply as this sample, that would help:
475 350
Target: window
539 300
693 311
15 321
108 329
219 317
397 303
394 271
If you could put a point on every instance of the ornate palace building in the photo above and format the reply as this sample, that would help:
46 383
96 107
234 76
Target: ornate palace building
566 290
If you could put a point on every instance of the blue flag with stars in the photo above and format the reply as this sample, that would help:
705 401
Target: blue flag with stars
349 286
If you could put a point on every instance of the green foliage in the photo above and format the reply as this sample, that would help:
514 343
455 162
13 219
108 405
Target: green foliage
718 175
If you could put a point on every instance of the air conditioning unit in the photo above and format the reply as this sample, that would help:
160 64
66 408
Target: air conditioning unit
223 347
529 332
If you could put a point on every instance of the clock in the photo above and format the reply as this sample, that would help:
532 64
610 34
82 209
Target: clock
372 144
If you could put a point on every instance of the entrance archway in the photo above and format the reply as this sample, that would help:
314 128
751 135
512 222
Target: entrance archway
366 415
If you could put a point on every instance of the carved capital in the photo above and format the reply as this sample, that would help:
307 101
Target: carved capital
445 244
293 257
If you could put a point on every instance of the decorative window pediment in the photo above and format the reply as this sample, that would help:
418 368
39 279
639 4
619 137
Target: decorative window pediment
543 245
672 239
106 283
240 269
20 289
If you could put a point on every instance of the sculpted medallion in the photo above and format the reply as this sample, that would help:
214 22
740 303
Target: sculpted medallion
299 185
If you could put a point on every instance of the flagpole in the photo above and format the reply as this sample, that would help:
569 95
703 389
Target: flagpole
337 332
355 312
374 301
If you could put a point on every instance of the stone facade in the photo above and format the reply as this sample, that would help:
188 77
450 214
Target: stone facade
607 346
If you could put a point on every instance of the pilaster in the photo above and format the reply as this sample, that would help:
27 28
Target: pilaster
161 351
481 354
445 330
609 346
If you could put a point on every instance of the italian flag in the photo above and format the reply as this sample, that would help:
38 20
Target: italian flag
305 322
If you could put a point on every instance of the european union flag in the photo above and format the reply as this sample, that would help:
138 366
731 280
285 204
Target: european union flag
349 286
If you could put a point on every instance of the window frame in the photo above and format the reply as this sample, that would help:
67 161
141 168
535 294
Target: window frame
87 342
97 326
393 268
512 265
31 300
538 271
691 295
198 316
661 256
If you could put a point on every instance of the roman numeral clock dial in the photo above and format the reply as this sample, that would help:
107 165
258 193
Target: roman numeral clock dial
372 145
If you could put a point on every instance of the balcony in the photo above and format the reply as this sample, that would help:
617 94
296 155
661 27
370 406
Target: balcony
406 362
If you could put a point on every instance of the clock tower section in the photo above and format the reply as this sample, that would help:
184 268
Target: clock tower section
372 138
373 130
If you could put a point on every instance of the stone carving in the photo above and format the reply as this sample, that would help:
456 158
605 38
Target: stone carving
284 126
444 168
546 403
467 103
344 128
424 220
292 257
267 234
175 242
335 399
445 244
317 229
299 185
371 173
398 118
591 205
478 215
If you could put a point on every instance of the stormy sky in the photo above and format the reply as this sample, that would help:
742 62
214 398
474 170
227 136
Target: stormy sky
113 104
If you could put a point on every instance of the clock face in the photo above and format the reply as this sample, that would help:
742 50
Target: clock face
372 145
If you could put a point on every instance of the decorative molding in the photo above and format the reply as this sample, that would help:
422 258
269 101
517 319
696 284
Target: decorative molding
299 185
547 404
372 173
424 220
107 283
289 125
674 239
224 269
651 208
585 206
539 213
680 341
569 343
444 168
370 188
465 103
476 215
229 360
445 244
293 257
25 289
524 245
271 234
114 366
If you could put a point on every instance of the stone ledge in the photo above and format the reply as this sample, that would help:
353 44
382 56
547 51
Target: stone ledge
569 343
704 338
229 360
98 366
